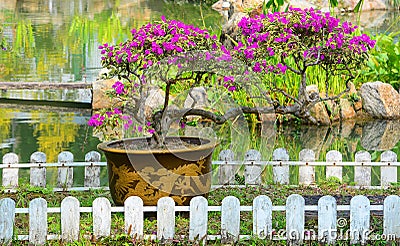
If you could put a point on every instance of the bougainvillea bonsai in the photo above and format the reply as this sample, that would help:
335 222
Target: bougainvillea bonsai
294 42
176 56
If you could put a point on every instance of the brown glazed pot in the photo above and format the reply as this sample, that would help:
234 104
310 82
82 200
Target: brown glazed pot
152 174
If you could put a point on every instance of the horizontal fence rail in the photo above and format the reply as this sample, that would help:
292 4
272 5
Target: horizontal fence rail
228 167
330 228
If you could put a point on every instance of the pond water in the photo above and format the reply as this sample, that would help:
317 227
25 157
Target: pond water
57 40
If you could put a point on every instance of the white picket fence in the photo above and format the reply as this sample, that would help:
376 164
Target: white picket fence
228 167
329 230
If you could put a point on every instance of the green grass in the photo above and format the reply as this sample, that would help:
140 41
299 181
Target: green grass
277 193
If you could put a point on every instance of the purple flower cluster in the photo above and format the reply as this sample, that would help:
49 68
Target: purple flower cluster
96 120
153 41
229 83
310 34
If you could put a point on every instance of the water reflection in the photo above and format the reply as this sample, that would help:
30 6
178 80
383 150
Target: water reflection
26 129
56 40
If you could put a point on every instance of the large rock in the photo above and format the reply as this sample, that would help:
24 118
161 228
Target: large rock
380 100
100 99
318 111
346 109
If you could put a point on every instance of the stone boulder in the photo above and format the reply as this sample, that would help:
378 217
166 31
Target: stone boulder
380 100
100 100
346 109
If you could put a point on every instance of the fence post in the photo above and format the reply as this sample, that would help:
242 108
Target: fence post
7 218
306 173
38 221
359 219
92 173
65 174
133 213
334 171
362 174
101 217
295 219
230 220
38 174
262 217
70 217
165 218
281 171
226 172
388 173
327 219
198 219
10 174
391 218
252 172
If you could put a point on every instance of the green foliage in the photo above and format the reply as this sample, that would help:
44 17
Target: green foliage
384 62
331 183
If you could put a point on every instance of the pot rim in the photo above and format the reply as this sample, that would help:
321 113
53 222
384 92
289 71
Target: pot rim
105 146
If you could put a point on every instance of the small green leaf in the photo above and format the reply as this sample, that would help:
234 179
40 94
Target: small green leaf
358 6
333 3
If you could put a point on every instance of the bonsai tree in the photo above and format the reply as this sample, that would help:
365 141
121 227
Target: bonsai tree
294 42
178 57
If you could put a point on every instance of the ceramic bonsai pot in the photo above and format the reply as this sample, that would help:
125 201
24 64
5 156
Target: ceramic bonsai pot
180 173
